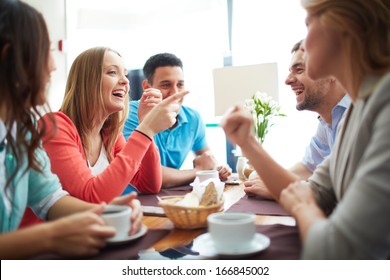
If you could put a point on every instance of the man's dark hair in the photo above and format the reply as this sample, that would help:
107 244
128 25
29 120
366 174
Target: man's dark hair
160 60
297 46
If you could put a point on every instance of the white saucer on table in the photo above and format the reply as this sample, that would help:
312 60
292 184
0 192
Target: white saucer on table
260 242
141 232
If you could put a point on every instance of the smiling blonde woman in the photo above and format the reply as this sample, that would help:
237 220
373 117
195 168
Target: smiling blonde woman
87 150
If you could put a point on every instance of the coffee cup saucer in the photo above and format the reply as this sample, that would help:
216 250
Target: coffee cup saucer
141 232
259 243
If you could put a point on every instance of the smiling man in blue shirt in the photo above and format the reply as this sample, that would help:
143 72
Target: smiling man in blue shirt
164 77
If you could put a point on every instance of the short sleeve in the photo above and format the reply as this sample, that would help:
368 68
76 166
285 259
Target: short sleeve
200 141
318 149
132 119
44 187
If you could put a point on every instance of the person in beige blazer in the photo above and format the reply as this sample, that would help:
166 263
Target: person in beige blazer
343 209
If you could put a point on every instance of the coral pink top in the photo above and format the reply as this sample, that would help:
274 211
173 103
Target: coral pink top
136 161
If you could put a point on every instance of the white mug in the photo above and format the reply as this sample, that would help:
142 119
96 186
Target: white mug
231 231
204 175
240 167
119 217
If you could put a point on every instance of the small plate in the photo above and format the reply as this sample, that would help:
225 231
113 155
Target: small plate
260 242
141 232
233 182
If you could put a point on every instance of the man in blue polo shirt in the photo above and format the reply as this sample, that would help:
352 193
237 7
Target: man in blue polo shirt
325 97
164 77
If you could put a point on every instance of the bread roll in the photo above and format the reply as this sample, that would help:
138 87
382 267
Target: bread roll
189 200
210 195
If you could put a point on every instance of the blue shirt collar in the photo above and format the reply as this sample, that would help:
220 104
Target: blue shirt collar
337 111
182 117
344 102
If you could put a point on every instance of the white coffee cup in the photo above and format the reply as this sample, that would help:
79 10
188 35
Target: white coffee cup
119 217
240 167
231 231
203 175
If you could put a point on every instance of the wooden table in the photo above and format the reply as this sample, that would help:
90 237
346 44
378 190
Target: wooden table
285 239
180 237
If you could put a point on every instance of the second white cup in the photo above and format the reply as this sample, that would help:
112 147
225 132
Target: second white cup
203 175
119 217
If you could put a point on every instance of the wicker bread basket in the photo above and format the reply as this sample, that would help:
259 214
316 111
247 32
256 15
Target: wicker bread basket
188 217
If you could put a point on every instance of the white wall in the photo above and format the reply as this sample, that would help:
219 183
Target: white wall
54 14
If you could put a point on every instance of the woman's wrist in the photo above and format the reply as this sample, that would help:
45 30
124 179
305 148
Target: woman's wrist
146 132
306 215
250 143
48 232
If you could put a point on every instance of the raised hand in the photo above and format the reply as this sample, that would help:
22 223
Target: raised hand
150 98
163 115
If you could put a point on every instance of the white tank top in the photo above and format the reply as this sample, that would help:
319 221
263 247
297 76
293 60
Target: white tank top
101 163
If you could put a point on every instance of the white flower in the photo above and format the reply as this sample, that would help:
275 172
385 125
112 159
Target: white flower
260 118
250 105
273 104
263 108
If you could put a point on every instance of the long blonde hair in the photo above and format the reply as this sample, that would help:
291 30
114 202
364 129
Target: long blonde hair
366 22
83 98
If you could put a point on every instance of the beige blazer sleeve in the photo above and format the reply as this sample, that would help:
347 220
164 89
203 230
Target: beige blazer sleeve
356 177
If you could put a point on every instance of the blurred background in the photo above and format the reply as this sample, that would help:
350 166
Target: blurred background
206 35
